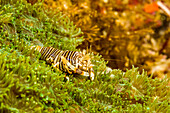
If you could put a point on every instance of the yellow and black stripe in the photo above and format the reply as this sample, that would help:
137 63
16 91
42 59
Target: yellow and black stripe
68 61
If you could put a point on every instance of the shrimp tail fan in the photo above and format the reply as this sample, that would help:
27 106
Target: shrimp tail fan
36 43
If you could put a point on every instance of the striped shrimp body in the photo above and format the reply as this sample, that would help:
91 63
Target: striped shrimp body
68 61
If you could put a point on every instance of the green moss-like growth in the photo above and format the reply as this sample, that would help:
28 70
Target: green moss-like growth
28 84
